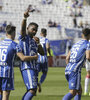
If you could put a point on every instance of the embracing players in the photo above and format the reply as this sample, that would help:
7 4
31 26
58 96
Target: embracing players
75 59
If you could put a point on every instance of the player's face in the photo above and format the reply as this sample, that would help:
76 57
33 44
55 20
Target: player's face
32 30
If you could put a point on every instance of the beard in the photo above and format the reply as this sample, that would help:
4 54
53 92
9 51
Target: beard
30 34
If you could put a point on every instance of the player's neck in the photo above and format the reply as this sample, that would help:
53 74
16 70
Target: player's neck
9 37
83 37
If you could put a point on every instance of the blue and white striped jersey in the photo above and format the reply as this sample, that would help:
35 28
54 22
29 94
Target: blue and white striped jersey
29 48
8 49
43 42
77 56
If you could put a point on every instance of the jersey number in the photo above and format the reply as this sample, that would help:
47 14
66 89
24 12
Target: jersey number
3 54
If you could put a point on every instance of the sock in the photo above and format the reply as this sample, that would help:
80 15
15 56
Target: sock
68 96
28 96
42 78
0 97
77 97
87 80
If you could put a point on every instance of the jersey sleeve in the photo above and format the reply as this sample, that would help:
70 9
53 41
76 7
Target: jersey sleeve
21 37
47 41
18 49
88 46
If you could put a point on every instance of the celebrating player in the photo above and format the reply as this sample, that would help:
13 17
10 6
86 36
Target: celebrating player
29 47
43 60
87 79
74 60
8 49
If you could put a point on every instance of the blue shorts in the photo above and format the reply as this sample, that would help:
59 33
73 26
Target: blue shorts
30 78
43 67
6 84
74 80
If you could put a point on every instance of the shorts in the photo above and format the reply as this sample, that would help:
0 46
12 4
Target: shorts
87 65
43 67
74 80
6 84
30 78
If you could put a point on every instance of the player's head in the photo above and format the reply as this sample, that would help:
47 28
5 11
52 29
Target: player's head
86 33
43 32
32 29
11 31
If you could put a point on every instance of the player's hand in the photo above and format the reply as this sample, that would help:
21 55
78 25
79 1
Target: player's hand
36 39
26 14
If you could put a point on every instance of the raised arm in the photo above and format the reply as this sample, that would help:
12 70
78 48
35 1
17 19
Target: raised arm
26 58
24 24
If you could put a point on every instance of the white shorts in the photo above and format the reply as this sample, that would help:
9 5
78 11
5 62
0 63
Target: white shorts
87 65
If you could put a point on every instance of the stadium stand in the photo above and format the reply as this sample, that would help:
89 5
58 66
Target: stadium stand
58 11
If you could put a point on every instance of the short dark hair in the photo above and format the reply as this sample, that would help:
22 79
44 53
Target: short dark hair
32 23
10 29
43 31
86 32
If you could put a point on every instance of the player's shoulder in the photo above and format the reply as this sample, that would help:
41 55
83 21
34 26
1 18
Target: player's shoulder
80 42
14 44
23 37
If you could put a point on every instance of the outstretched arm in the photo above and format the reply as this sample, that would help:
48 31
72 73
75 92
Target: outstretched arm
24 24
26 58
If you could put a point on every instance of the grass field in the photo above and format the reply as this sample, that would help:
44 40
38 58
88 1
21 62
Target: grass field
54 87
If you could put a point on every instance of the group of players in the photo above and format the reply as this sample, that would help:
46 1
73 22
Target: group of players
33 55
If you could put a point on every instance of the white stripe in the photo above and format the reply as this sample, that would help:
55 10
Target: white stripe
4 72
79 63
25 53
29 77
71 66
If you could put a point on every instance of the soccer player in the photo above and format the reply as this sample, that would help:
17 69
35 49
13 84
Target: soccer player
30 48
87 79
74 60
43 60
8 49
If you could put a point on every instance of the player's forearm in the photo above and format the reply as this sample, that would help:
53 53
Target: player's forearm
28 58
23 27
